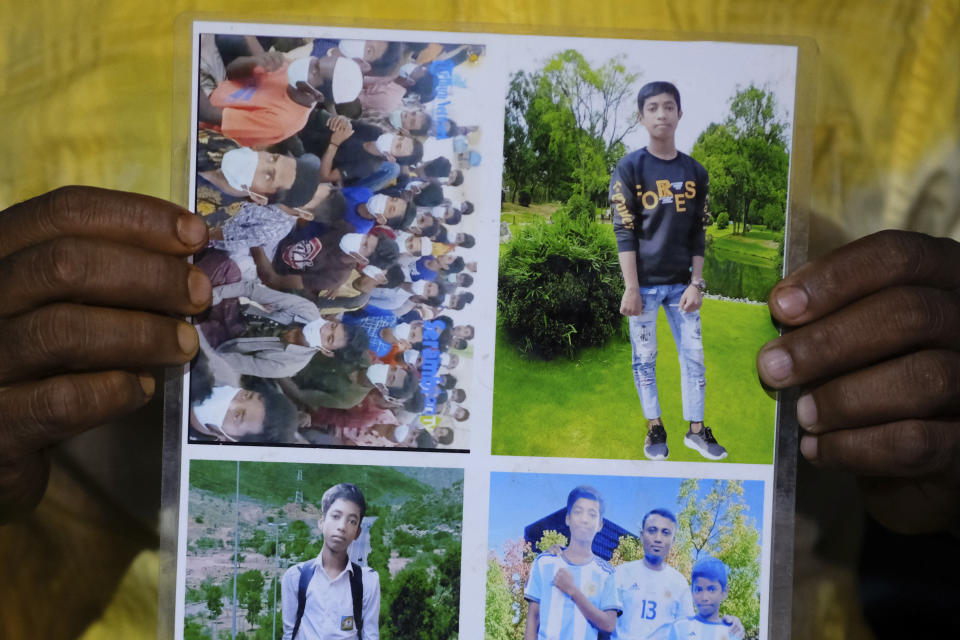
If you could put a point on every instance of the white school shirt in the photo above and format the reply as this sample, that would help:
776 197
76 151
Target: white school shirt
651 598
329 604
560 618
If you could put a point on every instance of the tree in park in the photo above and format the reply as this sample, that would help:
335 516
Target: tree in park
746 157
250 593
564 127
498 621
718 525
408 617
214 597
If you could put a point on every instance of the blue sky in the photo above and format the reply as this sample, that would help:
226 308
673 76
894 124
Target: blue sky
518 499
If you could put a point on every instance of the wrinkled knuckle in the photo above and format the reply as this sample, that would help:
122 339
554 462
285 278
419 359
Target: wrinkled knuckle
55 333
64 208
918 447
904 251
936 374
917 310
56 407
63 265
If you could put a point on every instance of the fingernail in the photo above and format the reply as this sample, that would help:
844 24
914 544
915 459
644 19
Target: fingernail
807 411
191 230
776 364
808 447
791 301
187 337
148 384
199 286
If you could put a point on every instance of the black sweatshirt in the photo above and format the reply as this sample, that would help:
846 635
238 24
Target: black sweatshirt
660 209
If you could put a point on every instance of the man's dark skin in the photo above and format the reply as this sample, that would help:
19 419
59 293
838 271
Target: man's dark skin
89 283
90 280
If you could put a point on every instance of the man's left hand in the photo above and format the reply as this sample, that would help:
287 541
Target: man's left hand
877 349
691 299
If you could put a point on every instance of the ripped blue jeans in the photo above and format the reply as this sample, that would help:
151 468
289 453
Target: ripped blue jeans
685 327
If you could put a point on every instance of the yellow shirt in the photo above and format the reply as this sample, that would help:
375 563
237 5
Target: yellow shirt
86 93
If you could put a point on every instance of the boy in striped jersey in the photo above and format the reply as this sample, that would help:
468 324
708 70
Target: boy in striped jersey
709 588
572 595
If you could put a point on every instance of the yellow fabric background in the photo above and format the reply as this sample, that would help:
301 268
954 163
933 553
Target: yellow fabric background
86 97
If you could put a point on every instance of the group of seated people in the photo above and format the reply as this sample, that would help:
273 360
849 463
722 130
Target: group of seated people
333 179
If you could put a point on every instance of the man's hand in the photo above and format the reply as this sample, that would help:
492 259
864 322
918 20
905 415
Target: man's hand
876 347
89 280
341 129
270 60
691 299
632 303
563 580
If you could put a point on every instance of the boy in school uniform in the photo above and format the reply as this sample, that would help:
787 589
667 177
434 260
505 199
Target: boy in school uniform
322 598
660 209
708 584
571 594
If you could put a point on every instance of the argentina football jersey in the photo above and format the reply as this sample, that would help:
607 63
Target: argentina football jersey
560 619
695 628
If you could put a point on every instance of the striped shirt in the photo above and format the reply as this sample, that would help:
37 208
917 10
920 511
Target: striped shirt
651 598
560 618
694 628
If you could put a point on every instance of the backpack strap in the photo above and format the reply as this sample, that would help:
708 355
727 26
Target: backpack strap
356 591
306 574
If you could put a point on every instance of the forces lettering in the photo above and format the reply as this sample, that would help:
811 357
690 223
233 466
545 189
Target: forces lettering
667 192
619 202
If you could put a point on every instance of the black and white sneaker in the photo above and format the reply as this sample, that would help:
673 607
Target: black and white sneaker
705 444
655 446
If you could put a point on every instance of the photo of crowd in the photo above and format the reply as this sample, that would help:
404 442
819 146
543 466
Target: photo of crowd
338 183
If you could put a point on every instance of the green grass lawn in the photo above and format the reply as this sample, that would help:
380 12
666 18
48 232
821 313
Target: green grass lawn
757 248
589 407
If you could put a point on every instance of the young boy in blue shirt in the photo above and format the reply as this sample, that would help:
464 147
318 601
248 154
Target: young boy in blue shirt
571 595
708 584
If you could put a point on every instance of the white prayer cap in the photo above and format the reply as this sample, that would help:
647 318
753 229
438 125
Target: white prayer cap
377 373
402 331
400 432
372 270
411 356
213 410
311 332
239 167
426 246
347 80
299 71
385 142
350 242
419 286
445 359
352 48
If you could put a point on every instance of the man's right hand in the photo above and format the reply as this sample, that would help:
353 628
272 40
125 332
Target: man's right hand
632 303
89 280
270 60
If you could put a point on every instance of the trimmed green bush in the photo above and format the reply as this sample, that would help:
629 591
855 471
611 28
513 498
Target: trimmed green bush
560 287
723 220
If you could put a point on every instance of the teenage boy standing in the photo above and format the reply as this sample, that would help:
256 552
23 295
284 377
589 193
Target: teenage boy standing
660 208
322 597
571 594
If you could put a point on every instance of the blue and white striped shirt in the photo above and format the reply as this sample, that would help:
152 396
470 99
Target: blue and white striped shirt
560 618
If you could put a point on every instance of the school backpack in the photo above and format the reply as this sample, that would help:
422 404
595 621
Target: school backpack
356 592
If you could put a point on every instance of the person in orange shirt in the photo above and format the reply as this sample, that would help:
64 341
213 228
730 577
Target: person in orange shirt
266 100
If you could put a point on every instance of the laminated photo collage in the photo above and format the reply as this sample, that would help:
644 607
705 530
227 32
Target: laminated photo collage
480 357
